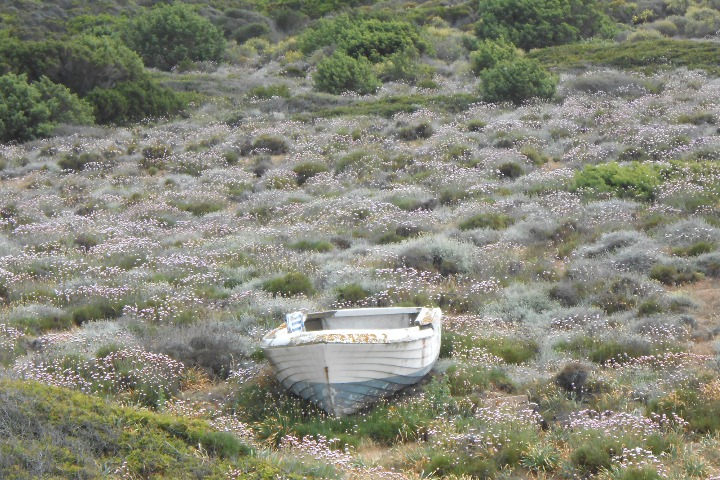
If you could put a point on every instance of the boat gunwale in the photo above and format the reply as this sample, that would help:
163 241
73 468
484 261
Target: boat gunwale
279 337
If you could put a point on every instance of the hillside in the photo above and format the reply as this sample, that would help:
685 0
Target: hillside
162 209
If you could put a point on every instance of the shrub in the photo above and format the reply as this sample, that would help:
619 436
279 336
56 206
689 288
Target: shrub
573 378
403 66
635 180
77 162
289 285
371 39
672 275
312 246
422 130
307 170
132 101
168 35
250 30
476 125
341 73
512 350
516 81
535 24
495 221
264 93
352 293
510 170
595 455
695 249
271 143
23 115
491 52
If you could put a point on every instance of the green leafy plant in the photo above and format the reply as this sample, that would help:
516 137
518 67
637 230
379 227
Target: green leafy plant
289 285
516 81
534 24
341 73
170 34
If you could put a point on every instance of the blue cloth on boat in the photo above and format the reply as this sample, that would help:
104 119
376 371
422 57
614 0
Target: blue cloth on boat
295 322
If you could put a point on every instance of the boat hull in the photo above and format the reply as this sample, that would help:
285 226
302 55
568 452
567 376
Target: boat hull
346 371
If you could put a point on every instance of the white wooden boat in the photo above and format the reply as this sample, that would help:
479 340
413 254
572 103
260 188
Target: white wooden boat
346 360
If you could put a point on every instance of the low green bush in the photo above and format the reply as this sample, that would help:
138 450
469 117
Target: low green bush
602 351
321 246
352 293
494 221
94 311
290 284
672 275
701 413
307 170
272 143
648 56
264 93
511 350
635 180
422 130
695 249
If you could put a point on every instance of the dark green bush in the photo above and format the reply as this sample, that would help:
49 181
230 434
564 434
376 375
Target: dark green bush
32 110
312 246
290 284
132 101
414 132
517 81
170 34
341 73
535 24
352 293
491 52
271 143
307 170
672 275
250 30
495 221
23 114
75 162
510 170
371 39
94 311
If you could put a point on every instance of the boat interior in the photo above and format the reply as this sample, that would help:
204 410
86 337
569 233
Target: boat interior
328 321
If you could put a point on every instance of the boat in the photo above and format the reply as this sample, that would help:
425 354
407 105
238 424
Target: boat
346 360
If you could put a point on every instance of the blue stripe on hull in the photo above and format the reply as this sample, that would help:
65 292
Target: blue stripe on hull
347 398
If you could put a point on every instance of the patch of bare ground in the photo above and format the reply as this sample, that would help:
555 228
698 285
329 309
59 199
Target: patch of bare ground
707 294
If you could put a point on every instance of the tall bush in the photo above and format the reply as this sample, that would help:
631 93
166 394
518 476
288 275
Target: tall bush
31 110
341 73
516 81
168 35
540 23
490 52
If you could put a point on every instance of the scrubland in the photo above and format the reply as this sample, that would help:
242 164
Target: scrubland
571 242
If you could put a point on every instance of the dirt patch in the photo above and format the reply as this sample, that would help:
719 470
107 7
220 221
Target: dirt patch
707 293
